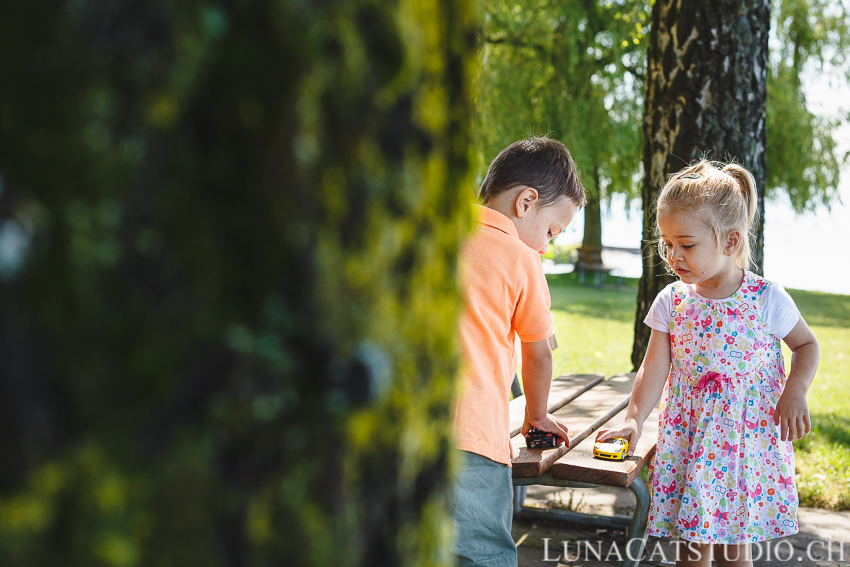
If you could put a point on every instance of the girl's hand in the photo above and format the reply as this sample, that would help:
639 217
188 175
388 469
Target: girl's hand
792 410
630 429
792 415
549 423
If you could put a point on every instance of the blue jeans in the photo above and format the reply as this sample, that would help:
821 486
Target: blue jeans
483 512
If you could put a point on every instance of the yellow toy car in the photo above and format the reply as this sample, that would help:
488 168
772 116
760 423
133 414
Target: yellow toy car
613 449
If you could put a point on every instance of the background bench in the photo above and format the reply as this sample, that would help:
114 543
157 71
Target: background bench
590 261
586 403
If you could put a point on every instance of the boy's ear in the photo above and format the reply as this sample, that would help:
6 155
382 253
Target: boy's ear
525 200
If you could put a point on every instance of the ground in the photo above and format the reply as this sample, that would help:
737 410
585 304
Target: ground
541 543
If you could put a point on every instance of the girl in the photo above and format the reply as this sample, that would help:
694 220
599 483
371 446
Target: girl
723 475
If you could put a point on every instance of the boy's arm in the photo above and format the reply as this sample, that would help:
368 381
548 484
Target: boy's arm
646 393
792 410
536 380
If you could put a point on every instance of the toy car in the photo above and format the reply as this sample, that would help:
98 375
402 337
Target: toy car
537 439
613 449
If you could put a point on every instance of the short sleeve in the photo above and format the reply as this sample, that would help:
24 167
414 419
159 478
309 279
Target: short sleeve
532 320
661 310
780 312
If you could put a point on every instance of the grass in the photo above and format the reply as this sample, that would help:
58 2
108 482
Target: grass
594 328
823 457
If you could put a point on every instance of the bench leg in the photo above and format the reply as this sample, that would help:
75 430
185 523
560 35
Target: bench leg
519 498
636 535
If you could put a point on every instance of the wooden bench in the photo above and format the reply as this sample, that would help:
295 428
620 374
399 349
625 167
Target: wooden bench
590 260
586 403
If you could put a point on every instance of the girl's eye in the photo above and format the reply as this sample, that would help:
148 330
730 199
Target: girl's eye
688 247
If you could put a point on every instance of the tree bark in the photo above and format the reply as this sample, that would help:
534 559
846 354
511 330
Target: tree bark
705 97
228 333
592 238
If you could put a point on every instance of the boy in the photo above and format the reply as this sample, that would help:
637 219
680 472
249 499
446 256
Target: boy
530 195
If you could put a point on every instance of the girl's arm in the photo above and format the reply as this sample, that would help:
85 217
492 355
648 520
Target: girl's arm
536 380
646 393
792 410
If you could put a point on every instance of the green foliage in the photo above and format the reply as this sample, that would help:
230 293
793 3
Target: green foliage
576 71
802 156
561 253
573 70
807 172
815 31
227 317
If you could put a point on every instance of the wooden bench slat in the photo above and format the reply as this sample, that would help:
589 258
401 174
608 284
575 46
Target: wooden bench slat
599 422
584 416
580 465
535 466
563 390
578 415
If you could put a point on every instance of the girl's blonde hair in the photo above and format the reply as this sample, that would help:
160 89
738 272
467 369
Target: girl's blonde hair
723 196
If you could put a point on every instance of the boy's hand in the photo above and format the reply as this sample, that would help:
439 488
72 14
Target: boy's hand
549 423
792 415
630 429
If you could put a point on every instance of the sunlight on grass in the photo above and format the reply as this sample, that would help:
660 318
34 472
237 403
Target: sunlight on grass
823 456
590 345
594 327
823 464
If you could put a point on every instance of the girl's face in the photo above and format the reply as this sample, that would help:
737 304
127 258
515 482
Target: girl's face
693 252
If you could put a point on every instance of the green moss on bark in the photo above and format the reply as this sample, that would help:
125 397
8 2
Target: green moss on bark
230 340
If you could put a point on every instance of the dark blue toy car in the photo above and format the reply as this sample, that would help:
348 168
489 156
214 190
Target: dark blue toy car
537 439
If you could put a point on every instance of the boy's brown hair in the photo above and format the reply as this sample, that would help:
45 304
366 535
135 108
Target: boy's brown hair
539 162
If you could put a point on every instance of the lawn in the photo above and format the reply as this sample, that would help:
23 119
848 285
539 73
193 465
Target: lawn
594 328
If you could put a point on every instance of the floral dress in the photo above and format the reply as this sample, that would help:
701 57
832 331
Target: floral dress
721 474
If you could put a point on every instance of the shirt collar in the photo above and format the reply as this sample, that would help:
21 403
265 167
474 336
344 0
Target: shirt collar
497 220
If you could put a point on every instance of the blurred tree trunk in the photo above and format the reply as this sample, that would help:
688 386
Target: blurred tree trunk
592 239
705 96
228 280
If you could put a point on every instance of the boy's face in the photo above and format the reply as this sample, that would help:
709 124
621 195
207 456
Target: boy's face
537 226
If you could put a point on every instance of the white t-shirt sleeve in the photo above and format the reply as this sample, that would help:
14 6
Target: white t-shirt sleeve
780 311
661 311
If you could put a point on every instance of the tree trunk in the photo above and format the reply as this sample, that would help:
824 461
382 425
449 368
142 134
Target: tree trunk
593 216
705 96
227 328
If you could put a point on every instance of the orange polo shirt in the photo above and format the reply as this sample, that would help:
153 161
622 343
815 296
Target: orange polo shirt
505 295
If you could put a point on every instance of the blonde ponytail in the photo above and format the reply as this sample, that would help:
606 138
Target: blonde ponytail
723 195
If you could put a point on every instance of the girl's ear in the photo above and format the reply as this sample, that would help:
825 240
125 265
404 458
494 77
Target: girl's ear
525 200
733 242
